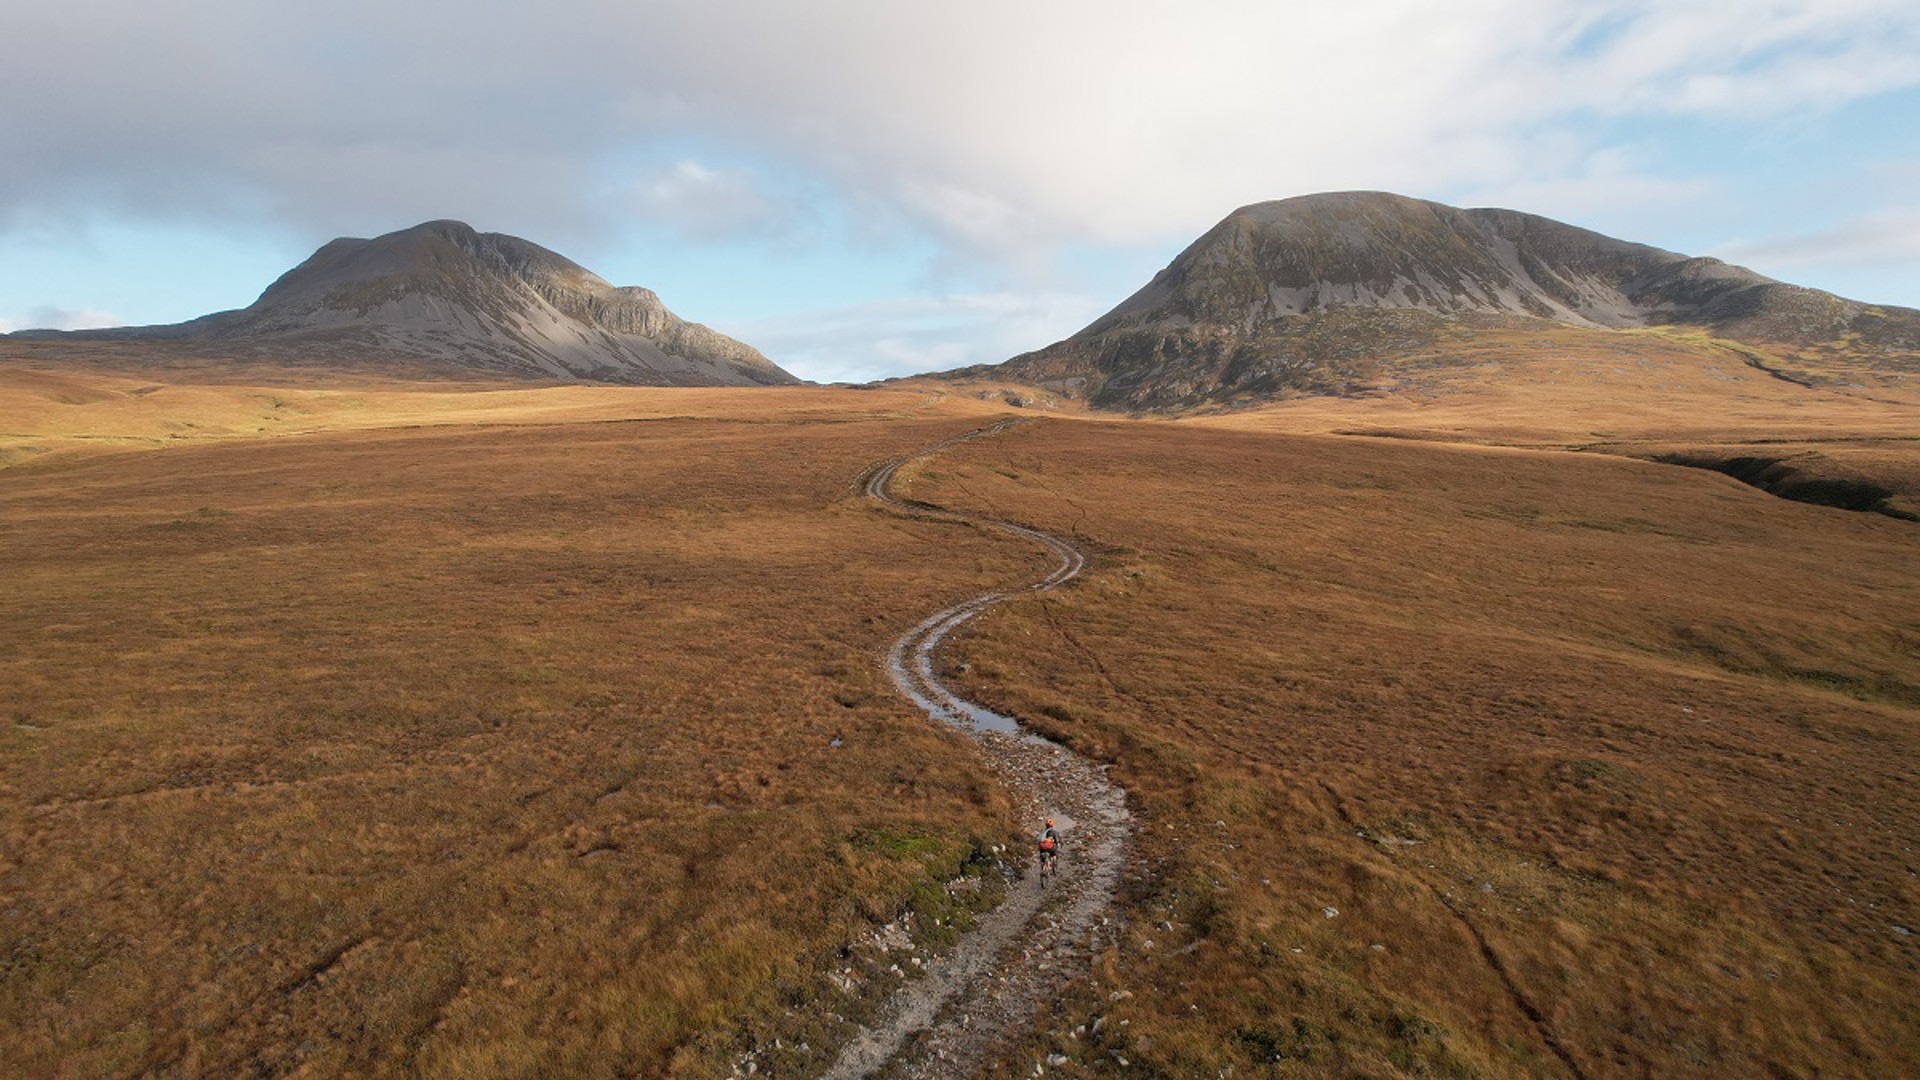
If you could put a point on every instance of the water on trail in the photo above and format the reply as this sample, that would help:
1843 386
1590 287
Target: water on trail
910 664
974 1001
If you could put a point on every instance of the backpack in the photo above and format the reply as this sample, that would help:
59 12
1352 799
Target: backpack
1046 841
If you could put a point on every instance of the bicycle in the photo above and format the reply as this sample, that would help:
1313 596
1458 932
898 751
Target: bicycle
1049 852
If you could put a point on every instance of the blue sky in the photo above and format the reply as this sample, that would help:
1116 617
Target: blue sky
864 189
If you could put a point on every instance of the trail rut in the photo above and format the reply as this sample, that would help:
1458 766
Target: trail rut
972 1003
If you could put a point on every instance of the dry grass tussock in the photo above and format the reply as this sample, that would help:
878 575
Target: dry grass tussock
1458 761
468 752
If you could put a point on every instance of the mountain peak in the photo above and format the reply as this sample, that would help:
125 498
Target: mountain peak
1274 260
1279 288
444 294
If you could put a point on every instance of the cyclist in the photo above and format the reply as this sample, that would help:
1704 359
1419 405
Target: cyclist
1049 851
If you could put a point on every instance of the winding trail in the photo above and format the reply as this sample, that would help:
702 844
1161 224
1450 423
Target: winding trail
973 1002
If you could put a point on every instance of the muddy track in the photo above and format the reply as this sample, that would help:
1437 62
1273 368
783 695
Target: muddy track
975 1001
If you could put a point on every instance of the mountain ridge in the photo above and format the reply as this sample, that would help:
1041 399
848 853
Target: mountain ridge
1320 292
442 294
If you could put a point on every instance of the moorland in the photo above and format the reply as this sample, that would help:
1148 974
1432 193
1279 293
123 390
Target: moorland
460 749
363 727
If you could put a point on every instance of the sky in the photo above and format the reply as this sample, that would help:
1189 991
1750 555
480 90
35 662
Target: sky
865 189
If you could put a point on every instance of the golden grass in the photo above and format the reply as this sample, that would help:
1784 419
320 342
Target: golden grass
51 406
1603 765
1568 387
465 752
485 730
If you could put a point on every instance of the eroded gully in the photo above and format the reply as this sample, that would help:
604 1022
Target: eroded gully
973 1002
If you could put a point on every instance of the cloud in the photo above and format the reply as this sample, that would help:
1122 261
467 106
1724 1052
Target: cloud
991 139
48 317
1113 123
1577 182
707 204
905 336
998 128
1876 240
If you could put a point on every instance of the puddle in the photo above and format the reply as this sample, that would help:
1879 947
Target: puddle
981 718
910 664
910 661
996 988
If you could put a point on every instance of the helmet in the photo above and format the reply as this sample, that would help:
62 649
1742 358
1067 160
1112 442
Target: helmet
1049 823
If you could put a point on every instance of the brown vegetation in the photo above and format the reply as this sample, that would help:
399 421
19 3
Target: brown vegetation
466 752
489 732
65 398
1564 387
1458 761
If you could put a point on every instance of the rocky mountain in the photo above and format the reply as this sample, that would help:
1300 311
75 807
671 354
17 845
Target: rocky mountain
441 295
1321 292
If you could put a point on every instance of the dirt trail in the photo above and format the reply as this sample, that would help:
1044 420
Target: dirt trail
972 1002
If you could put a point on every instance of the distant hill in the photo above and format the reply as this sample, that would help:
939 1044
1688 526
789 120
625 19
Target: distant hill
441 295
1326 293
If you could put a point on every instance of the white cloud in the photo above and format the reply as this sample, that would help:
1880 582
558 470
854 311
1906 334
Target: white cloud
1018 126
1578 183
704 203
48 317
998 126
1883 239
905 336
994 135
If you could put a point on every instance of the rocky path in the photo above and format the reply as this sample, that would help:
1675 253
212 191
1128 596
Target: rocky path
974 1001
